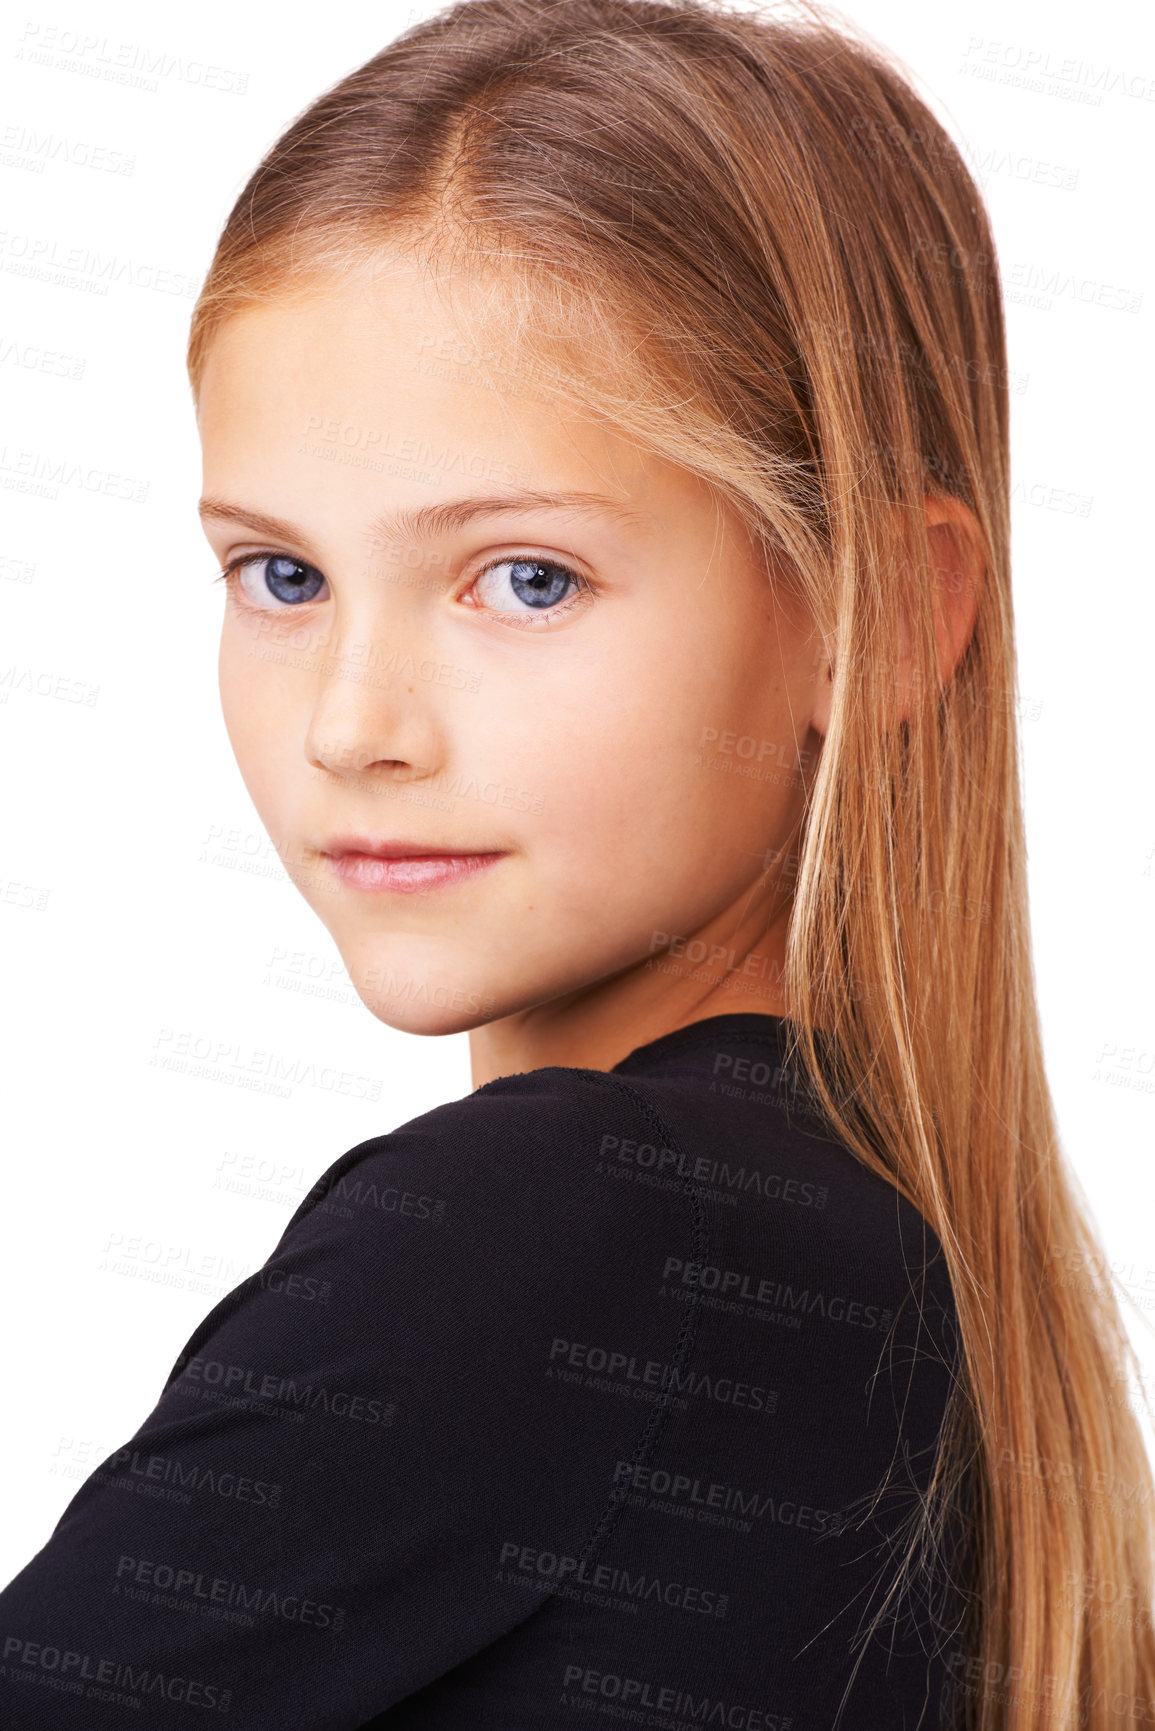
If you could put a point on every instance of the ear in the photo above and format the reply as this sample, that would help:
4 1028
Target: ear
958 568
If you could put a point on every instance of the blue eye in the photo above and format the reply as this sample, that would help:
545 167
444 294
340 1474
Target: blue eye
538 584
287 580
290 580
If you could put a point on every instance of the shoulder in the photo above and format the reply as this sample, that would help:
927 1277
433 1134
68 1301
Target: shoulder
488 1222
455 1351
526 1149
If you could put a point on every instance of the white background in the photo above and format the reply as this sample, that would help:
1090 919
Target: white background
140 902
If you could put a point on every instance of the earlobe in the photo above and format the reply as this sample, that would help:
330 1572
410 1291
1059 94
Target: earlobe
823 694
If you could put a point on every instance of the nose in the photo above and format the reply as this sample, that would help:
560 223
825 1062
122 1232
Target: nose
370 712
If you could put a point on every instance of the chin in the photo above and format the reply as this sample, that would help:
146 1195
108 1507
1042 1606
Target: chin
433 1009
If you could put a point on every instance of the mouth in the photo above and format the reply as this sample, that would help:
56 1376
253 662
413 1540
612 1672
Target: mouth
403 867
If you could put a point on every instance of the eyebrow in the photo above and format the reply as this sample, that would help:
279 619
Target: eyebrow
414 522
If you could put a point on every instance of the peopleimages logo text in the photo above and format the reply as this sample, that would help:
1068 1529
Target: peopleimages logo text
756 1289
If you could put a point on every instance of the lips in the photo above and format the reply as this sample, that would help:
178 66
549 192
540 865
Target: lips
400 848
406 867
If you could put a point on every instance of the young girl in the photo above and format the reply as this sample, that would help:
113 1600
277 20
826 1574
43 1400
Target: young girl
604 410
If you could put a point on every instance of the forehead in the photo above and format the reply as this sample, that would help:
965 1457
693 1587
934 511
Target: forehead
384 379
343 339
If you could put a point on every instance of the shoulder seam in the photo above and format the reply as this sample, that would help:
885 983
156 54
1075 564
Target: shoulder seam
700 1245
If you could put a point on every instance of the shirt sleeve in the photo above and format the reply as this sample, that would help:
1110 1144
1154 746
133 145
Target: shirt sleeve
309 1525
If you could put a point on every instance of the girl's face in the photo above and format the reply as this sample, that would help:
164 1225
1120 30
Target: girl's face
464 620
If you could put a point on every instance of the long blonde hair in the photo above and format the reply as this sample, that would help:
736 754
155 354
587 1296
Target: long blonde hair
747 242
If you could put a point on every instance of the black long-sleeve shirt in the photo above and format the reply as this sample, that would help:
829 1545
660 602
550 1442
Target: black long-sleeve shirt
570 1396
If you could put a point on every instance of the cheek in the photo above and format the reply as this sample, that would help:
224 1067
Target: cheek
630 744
260 714
671 778
622 792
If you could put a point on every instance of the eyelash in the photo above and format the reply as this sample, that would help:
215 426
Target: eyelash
232 570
